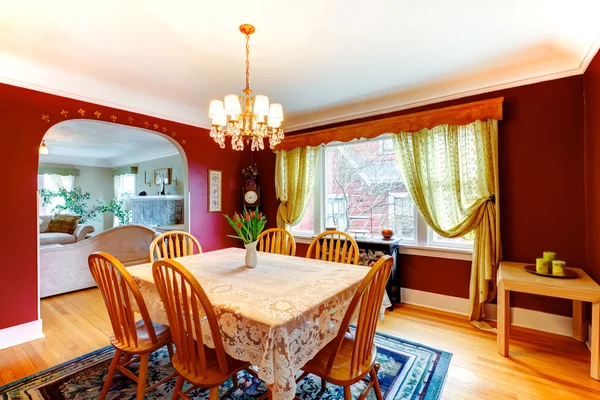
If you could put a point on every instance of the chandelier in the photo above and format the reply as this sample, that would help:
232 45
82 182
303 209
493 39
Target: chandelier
246 118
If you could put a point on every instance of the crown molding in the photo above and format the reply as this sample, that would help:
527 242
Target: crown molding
369 108
93 100
350 112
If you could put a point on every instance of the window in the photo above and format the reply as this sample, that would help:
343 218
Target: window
124 185
359 190
52 182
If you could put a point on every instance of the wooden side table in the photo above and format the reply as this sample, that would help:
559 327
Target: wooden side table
512 277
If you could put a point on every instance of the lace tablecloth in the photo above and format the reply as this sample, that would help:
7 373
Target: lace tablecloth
276 316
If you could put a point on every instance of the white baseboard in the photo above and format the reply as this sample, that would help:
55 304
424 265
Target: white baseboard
522 317
20 334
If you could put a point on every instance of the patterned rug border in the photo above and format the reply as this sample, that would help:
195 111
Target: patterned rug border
438 379
441 369
54 368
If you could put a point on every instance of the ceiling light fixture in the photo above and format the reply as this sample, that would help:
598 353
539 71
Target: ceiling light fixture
43 148
243 122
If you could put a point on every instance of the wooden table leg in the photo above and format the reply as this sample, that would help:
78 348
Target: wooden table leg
580 329
595 341
503 318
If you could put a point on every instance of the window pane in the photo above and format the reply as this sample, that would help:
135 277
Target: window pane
307 223
364 190
462 242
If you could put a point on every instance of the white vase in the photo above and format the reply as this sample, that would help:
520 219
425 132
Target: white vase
251 255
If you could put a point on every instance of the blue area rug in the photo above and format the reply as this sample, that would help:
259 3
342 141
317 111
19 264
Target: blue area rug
408 371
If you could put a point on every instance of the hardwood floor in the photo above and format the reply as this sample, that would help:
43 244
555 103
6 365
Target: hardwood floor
541 366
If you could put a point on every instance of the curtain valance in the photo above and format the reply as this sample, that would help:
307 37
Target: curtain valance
125 171
43 170
462 114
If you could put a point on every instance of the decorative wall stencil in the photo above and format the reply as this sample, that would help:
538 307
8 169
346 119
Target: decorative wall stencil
113 118
214 190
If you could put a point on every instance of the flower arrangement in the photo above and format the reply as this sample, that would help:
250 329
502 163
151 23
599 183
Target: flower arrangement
250 172
247 225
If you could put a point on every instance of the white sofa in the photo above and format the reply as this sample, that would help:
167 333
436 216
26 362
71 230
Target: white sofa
65 268
50 238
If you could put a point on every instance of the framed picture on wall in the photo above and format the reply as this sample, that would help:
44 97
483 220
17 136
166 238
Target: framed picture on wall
162 175
214 190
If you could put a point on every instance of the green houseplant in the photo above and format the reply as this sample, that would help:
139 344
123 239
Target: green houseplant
248 227
75 202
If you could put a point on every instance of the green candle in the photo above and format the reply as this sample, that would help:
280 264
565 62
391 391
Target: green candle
549 255
542 265
558 267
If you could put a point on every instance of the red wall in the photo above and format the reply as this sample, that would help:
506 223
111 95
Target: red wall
541 188
591 81
22 129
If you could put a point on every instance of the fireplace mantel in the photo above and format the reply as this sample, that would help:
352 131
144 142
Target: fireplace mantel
158 197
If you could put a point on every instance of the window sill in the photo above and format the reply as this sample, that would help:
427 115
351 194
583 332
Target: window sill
415 250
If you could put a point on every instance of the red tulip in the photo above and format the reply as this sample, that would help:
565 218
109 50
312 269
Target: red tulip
260 215
247 218
239 225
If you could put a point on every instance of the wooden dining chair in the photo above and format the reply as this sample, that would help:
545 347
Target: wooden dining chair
334 246
130 338
277 241
349 357
186 303
174 244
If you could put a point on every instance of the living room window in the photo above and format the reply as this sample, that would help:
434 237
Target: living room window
54 182
359 189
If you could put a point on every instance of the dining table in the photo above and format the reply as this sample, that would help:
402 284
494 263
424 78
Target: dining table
276 316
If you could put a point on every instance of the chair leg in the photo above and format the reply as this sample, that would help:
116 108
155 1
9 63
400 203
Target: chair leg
375 381
234 378
178 387
170 349
347 393
141 390
111 373
214 393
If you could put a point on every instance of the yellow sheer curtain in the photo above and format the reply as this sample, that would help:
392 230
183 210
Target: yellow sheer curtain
294 179
451 173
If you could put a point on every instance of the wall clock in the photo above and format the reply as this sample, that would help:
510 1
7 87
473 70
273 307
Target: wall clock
251 194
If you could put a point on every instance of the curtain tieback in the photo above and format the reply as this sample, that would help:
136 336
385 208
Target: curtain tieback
492 198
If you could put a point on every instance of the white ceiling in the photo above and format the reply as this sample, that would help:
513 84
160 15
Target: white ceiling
323 60
102 144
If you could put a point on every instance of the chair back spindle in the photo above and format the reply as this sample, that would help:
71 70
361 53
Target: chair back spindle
186 305
277 241
334 246
118 290
368 297
174 244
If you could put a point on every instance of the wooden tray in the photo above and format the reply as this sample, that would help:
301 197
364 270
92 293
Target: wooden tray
569 273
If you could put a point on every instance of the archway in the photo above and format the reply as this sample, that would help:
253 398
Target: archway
99 146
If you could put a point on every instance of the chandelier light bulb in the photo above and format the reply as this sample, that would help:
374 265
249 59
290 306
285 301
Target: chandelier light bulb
216 109
243 117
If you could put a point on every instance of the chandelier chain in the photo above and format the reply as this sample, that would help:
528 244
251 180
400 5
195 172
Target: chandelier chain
247 62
